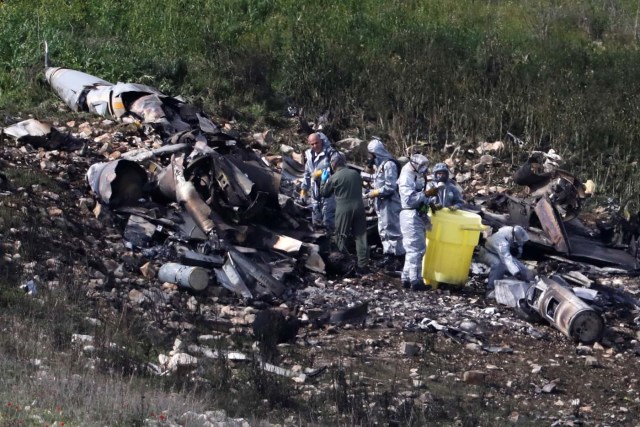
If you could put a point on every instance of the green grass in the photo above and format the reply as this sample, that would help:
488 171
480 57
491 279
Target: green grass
441 71
438 71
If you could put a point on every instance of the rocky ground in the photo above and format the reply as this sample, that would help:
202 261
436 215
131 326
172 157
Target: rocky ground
448 356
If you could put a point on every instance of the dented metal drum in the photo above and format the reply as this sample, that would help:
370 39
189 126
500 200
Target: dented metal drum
568 313
196 278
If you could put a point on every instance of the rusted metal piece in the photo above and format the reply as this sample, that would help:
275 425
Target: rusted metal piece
565 311
187 195
118 182
552 225
562 188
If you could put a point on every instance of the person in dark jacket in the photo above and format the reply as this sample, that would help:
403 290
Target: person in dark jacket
350 219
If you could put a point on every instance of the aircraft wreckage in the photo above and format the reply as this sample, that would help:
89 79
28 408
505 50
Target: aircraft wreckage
212 208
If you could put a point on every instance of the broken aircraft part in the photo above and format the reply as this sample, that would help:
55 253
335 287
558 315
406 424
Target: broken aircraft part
564 310
139 232
229 278
265 283
510 291
118 182
564 189
195 278
42 135
552 225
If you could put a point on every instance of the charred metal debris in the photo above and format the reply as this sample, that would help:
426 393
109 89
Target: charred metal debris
206 206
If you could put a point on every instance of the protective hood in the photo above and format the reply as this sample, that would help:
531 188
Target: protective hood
325 140
520 235
376 148
420 163
440 167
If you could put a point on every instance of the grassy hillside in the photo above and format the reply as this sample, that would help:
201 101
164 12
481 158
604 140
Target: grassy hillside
559 74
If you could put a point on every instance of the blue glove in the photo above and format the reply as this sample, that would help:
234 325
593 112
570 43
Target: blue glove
325 176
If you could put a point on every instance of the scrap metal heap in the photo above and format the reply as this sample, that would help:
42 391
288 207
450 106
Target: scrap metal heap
194 197
233 214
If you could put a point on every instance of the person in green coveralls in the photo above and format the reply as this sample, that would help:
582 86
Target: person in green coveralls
346 185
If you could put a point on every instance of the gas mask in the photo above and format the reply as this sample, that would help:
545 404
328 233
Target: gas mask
371 162
441 176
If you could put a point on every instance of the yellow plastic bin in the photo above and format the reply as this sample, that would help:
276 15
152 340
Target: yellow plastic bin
450 244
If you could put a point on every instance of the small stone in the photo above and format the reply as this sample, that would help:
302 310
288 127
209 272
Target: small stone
583 350
536 369
136 297
192 304
474 347
474 377
409 349
148 270
54 211
591 361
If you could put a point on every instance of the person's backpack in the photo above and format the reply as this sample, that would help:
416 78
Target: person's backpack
397 163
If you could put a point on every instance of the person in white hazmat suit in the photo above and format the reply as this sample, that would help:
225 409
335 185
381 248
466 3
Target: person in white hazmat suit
386 202
448 194
501 252
317 159
414 221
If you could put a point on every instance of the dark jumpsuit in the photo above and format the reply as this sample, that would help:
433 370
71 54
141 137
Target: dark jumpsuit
346 185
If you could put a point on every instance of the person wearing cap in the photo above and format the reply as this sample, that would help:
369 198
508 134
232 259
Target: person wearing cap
317 159
414 221
386 202
350 220
501 252
445 192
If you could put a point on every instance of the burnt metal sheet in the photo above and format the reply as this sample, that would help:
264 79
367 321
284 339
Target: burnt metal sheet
236 185
201 260
265 282
263 178
519 210
593 251
229 278
552 225
118 182
139 231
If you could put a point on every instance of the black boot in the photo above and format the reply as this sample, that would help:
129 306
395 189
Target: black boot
419 286
406 284
363 271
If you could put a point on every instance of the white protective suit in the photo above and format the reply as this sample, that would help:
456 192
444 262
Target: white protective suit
496 253
414 221
387 199
449 195
323 209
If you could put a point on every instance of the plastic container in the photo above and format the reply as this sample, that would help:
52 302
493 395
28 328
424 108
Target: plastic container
196 278
450 244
